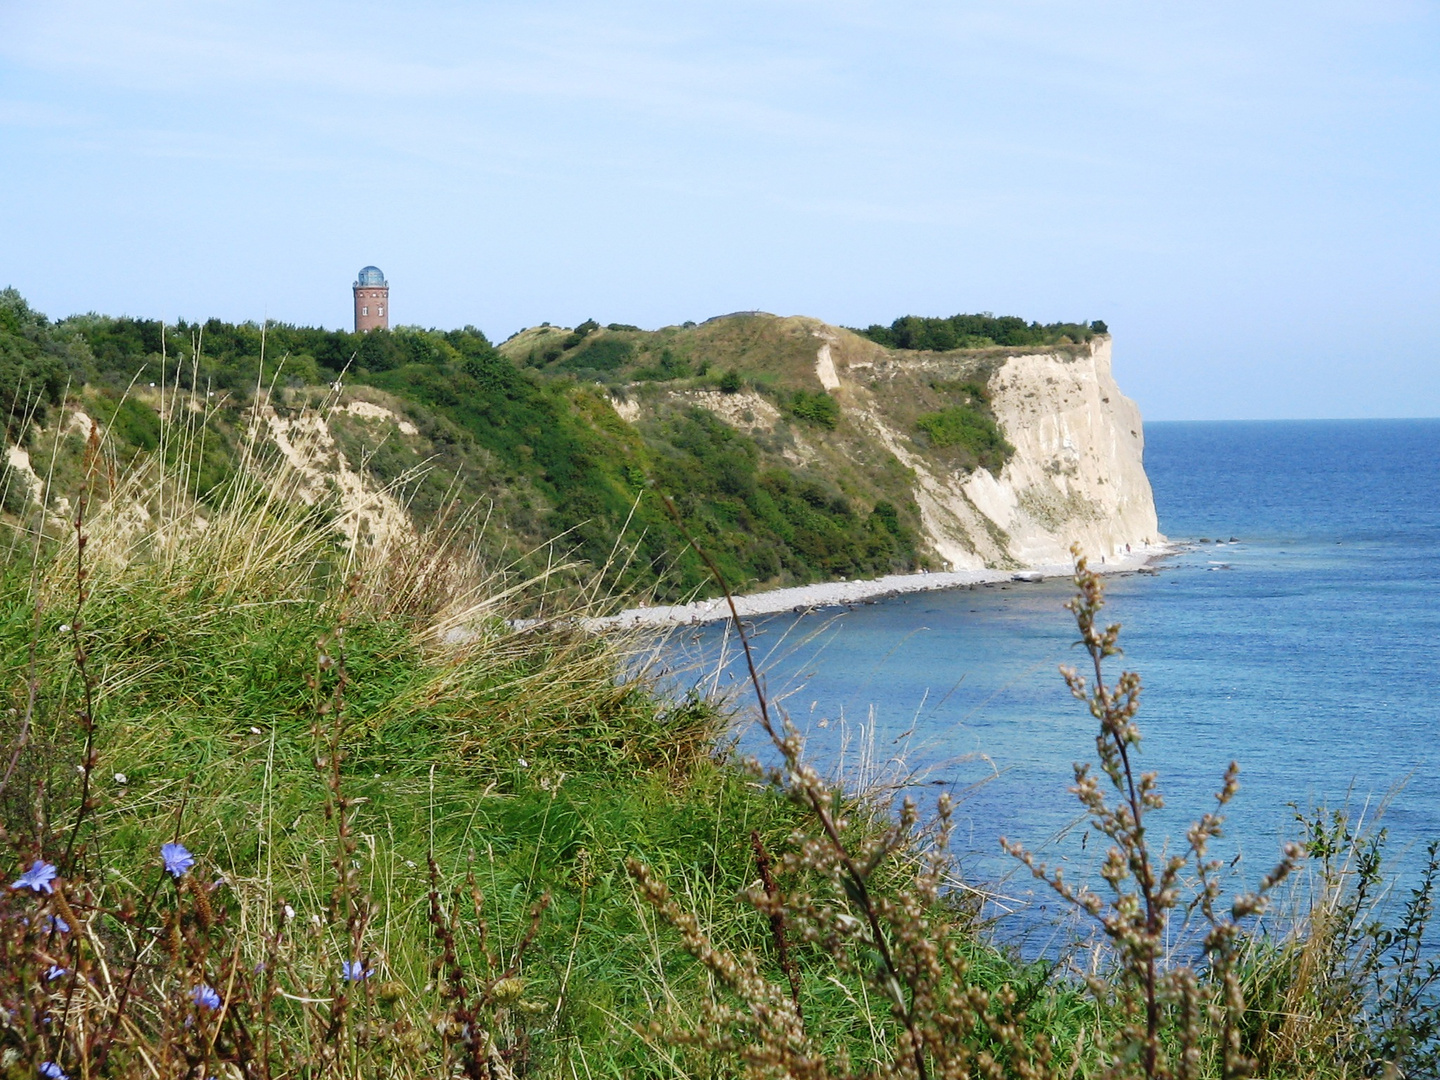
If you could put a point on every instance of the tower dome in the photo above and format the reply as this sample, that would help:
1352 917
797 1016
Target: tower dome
372 300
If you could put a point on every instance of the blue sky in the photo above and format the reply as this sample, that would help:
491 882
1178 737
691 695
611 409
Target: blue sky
1249 194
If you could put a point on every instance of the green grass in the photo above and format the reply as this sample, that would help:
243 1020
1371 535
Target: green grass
523 752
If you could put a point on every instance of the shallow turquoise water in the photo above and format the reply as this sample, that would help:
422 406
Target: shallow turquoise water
1307 651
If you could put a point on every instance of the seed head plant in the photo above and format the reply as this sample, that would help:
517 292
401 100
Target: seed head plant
1172 1015
869 898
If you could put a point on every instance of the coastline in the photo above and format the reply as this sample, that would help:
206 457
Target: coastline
801 598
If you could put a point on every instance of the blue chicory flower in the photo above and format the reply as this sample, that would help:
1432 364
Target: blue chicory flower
38 877
353 971
205 996
57 925
52 1071
178 859
54 972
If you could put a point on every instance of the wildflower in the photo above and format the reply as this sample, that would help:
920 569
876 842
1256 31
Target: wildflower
177 859
121 778
51 1071
54 972
38 877
522 763
353 971
64 628
56 925
205 996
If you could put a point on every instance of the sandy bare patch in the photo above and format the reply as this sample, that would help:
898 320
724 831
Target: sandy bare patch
368 410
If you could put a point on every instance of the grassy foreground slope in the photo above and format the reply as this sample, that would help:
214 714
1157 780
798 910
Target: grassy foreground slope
294 713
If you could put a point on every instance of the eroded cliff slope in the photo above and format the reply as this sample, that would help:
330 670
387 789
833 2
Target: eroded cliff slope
1076 474
1073 470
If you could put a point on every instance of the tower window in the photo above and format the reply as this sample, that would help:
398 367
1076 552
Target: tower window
364 311
381 311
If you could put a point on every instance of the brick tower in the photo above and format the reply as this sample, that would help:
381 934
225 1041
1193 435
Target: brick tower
372 300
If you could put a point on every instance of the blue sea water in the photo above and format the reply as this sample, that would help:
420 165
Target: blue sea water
1307 649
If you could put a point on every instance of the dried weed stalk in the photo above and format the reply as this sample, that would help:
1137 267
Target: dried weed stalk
1171 1014
870 899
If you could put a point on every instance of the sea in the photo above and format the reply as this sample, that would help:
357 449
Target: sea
1295 630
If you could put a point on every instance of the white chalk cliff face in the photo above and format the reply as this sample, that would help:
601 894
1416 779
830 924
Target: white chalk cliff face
1077 474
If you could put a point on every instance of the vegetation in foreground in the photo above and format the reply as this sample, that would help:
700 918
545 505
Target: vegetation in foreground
275 809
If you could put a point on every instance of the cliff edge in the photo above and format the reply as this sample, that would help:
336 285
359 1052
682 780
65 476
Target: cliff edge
1068 468
792 451
1076 473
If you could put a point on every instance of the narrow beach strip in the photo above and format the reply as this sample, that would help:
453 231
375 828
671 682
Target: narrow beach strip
826 594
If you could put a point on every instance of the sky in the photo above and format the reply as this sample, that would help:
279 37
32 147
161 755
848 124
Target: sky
1247 193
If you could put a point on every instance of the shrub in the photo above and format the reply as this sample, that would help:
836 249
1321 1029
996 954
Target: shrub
974 332
730 382
670 366
136 424
579 334
815 407
968 429
33 368
602 354
14 489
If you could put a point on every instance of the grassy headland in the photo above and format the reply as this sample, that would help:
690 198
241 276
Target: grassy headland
764 465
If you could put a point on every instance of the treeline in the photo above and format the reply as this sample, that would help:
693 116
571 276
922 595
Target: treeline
977 332
583 475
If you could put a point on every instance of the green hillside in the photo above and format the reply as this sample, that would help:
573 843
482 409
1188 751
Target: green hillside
530 434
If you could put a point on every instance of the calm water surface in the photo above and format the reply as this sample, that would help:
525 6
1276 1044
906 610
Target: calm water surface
1306 649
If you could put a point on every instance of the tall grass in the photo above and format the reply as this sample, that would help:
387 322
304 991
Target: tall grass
315 792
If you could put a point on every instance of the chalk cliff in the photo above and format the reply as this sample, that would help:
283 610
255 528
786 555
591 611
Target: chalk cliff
1077 473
